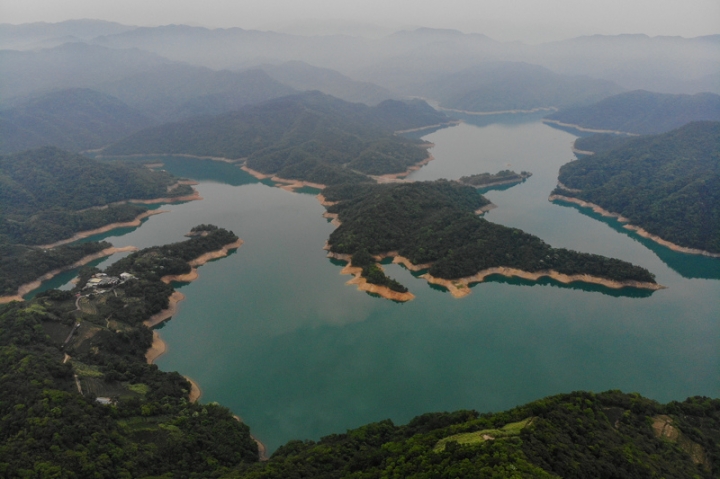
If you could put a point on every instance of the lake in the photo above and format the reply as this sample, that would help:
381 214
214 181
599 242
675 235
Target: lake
273 332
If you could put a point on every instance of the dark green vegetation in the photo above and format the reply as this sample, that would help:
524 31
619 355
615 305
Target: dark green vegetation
311 136
668 184
500 86
47 194
76 119
578 435
374 273
435 222
488 179
24 264
643 112
50 422
600 142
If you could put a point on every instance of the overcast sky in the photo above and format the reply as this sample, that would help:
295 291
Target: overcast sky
525 20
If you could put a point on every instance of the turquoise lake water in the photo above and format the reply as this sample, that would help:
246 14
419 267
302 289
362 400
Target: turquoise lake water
273 332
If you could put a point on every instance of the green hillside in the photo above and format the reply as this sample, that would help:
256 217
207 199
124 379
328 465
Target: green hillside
58 353
48 195
435 222
643 112
668 184
310 136
74 119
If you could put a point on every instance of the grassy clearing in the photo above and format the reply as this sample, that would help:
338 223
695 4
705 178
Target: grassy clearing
477 437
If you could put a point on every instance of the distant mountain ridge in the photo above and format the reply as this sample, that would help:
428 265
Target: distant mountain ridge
643 112
309 136
499 86
75 119
302 76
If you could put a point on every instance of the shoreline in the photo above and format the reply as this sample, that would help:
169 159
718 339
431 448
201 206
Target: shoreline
176 297
500 112
26 288
460 287
157 349
496 183
184 155
400 177
195 391
637 229
582 152
104 229
589 130
437 125
362 283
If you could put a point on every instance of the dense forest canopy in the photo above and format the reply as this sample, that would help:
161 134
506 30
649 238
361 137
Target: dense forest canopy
578 435
48 194
435 222
643 112
310 136
59 352
668 184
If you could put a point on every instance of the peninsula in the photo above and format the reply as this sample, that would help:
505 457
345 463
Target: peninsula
434 226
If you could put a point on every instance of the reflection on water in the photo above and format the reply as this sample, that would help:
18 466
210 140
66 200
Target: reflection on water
688 265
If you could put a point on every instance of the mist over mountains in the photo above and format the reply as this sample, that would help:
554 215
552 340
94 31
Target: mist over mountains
176 72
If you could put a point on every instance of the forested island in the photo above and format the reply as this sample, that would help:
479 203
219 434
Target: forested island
48 195
77 397
668 184
434 226
308 137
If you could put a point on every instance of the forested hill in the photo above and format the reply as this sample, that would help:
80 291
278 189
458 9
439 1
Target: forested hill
48 195
643 112
435 222
74 119
50 177
310 136
573 436
59 352
668 184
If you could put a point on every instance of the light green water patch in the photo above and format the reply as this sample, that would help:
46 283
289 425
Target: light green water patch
478 437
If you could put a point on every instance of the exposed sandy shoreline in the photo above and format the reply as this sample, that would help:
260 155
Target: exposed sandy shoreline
640 231
485 209
158 348
582 152
363 284
589 130
28 287
437 125
177 296
140 155
195 391
461 287
262 450
400 177
84 234
501 112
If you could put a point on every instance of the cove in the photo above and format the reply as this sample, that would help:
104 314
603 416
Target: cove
273 332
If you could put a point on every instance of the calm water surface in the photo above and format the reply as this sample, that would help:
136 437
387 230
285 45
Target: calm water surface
273 332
